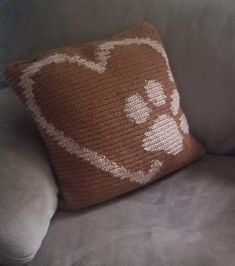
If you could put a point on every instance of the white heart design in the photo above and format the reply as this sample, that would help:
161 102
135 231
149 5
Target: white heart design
95 159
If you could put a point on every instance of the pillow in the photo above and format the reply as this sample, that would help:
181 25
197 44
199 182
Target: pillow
109 113
28 193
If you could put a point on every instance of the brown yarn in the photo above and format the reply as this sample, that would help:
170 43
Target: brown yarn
90 113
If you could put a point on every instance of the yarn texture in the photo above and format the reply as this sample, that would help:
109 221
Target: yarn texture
109 112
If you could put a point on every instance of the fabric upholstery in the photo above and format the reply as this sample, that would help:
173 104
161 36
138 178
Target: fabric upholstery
109 113
182 225
202 58
28 194
2 79
187 219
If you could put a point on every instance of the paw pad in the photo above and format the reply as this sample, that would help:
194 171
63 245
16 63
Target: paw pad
164 134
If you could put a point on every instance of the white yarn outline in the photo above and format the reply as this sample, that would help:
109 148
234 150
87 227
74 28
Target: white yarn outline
103 54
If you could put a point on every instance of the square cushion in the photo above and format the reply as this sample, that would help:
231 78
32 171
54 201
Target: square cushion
28 193
110 114
186 219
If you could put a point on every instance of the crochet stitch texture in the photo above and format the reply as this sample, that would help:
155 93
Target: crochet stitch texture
109 113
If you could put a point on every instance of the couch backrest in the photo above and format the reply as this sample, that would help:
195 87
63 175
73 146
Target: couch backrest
199 37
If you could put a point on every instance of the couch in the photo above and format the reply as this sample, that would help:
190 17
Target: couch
187 218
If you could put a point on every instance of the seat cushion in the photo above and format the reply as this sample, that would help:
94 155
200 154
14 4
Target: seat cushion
28 193
185 219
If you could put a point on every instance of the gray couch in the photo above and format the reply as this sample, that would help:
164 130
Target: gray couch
187 218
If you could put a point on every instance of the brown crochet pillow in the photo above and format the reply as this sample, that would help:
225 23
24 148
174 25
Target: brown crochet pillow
109 113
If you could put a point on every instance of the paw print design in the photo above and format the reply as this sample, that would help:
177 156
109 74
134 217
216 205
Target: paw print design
164 134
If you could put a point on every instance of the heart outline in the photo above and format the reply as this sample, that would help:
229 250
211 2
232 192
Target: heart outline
103 53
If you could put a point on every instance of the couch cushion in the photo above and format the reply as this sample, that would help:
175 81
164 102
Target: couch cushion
199 38
203 61
28 194
186 219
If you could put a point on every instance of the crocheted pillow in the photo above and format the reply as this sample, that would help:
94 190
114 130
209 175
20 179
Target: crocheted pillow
109 113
